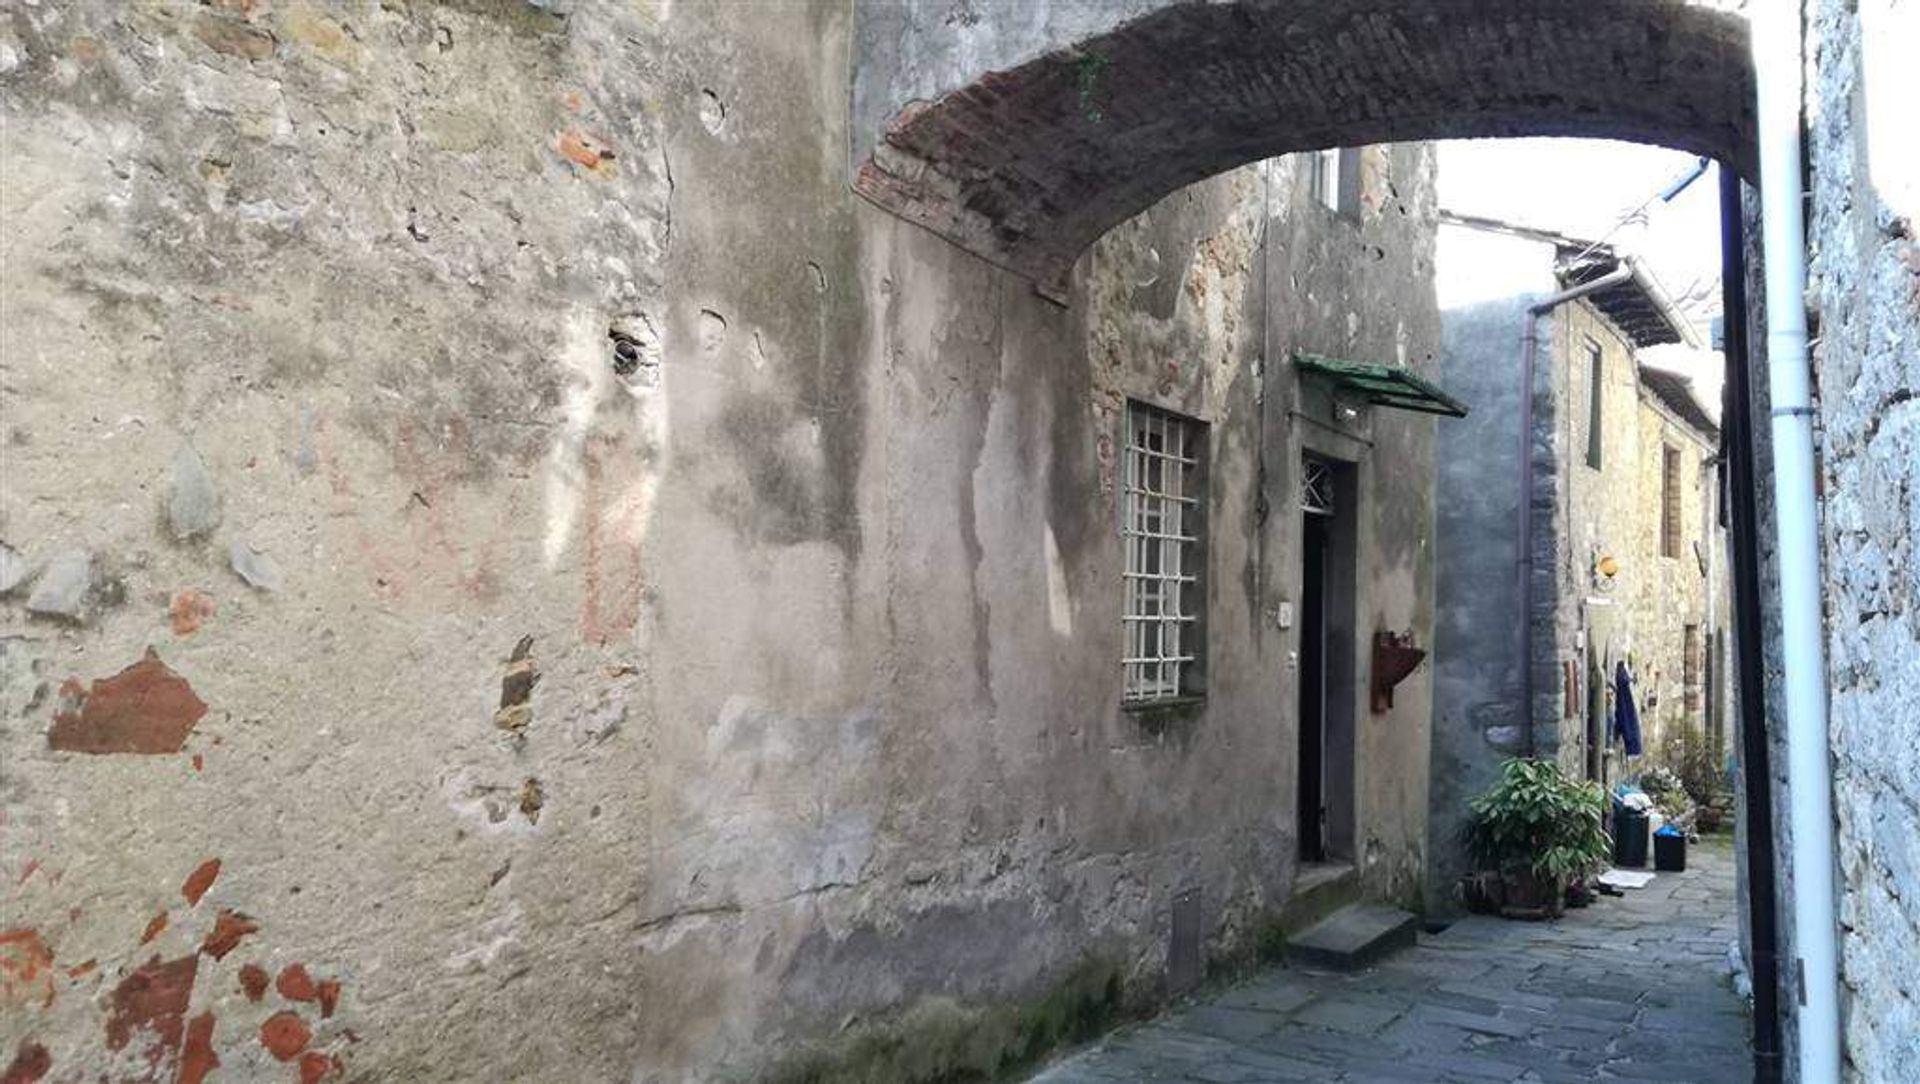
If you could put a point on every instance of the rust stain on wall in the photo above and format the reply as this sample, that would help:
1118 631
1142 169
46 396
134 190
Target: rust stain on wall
30 1062
146 708
201 879
26 969
153 999
228 929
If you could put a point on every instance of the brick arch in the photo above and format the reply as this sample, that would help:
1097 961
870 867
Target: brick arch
1029 164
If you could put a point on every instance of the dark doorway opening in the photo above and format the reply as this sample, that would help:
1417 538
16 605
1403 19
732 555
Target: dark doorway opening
1313 686
1327 679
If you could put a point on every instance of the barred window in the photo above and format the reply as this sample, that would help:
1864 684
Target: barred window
1162 524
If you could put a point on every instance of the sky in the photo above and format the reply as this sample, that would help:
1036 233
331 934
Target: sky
1600 190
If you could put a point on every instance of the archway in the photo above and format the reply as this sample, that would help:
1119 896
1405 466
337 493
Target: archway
1023 135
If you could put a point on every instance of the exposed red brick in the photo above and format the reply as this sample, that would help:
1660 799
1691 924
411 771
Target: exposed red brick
578 147
153 999
145 708
285 1035
199 762
197 1057
315 1067
190 610
329 992
254 980
154 927
26 969
201 879
1028 165
82 969
295 984
30 1062
228 929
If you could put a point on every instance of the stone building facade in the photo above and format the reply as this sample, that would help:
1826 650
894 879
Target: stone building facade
1864 243
1626 554
515 571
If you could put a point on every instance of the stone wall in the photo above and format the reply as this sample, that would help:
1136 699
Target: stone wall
1674 589
514 570
1864 235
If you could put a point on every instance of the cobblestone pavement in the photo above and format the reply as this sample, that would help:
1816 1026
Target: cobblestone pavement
1634 987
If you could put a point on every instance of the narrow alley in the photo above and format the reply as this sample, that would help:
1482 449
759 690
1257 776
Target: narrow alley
1634 988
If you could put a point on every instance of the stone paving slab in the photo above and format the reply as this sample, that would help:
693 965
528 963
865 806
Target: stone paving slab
1631 989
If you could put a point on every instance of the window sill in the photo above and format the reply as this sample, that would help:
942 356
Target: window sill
1161 712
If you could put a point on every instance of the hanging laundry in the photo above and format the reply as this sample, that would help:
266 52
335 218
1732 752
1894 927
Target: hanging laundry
1626 718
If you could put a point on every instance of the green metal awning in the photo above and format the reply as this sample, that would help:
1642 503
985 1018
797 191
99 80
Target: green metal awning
1382 385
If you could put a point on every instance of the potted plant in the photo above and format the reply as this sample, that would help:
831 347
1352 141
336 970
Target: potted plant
1537 830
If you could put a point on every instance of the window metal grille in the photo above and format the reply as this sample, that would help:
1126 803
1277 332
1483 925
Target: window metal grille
1160 528
1316 486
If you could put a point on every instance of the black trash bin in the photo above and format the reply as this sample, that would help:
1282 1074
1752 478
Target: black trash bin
1629 838
1670 853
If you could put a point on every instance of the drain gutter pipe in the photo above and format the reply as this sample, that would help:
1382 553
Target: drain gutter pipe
1777 65
1756 755
1523 554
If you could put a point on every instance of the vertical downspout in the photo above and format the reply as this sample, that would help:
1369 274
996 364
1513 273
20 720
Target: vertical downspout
1750 683
1777 62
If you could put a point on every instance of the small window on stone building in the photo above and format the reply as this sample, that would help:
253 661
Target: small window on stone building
1691 658
1333 178
1162 526
1669 501
1596 396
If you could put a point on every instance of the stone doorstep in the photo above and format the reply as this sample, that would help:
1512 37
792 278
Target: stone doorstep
1353 937
1319 891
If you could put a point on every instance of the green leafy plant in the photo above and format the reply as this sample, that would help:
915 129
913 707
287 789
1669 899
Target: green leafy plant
1535 820
1698 767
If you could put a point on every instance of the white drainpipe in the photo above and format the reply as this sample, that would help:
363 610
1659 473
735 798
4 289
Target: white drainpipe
1777 63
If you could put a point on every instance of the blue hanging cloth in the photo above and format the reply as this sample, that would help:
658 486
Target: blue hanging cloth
1626 717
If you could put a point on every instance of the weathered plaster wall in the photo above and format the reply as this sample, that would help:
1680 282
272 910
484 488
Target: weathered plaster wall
619 605
1361 286
1865 282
